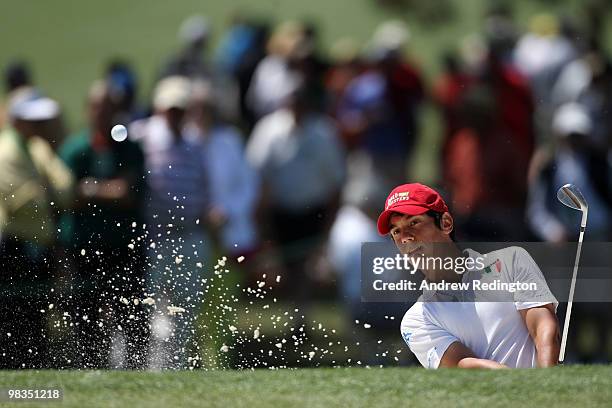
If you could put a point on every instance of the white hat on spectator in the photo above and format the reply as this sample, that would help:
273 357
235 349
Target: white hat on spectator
572 118
172 92
30 105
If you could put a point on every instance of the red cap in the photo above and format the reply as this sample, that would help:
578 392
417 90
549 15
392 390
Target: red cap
410 199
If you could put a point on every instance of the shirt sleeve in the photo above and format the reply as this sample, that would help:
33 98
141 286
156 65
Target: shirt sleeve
525 270
425 339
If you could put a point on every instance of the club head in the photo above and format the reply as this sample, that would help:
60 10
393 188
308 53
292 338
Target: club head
571 196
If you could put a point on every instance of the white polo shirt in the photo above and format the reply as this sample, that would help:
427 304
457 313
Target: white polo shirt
492 330
303 164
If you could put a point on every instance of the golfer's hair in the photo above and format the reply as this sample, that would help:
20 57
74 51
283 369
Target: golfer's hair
437 216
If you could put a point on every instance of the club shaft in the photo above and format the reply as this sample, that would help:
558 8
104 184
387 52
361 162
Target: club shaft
570 300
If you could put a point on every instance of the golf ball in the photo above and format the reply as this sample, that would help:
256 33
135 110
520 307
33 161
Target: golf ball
119 133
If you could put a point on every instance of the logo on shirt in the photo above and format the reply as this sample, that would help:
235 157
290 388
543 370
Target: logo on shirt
497 266
404 196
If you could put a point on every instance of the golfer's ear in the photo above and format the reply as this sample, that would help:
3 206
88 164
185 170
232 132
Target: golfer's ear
447 224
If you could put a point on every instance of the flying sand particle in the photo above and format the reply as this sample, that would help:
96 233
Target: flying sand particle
173 310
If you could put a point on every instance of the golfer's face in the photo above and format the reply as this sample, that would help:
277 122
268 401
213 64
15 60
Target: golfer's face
413 233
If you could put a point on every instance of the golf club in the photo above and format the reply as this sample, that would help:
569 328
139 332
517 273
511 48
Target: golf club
571 196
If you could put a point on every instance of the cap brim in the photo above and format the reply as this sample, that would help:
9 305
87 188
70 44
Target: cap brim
385 216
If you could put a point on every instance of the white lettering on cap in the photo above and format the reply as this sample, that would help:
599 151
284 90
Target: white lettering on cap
404 196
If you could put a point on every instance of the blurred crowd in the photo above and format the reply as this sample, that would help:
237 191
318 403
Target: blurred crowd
280 156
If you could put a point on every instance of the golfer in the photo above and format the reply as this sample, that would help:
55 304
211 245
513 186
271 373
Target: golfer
443 329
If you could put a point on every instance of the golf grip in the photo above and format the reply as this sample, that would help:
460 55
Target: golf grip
568 313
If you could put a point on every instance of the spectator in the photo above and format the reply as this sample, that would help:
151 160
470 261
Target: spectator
513 98
191 63
310 65
345 66
588 82
274 79
33 184
541 52
124 85
577 160
234 183
241 49
501 30
18 80
541 55
379 110
177 212
102 236
194 34
487 172
448 93
301 163
354 225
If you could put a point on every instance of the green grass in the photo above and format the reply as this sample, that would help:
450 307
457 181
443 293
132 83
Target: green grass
342 387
